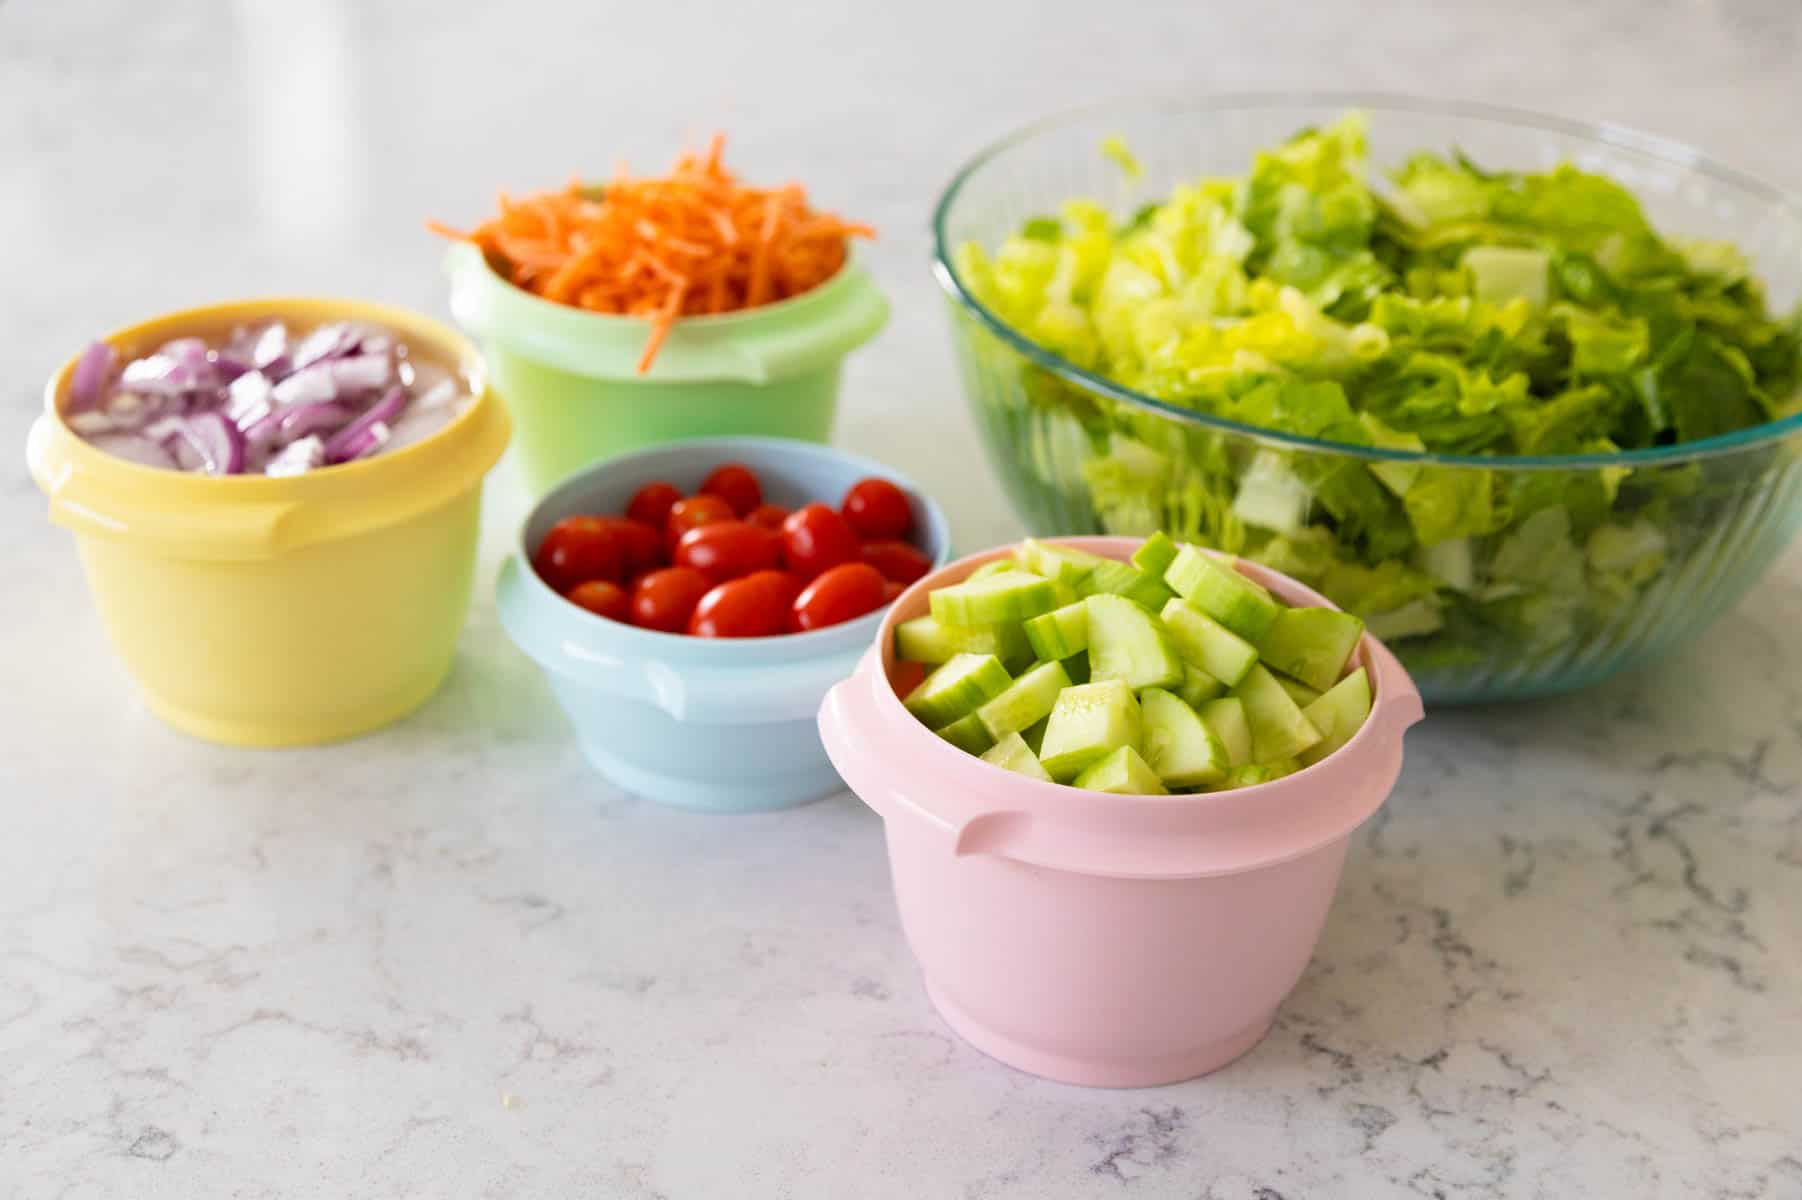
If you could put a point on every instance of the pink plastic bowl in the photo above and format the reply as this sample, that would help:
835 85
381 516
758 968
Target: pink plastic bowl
1113 941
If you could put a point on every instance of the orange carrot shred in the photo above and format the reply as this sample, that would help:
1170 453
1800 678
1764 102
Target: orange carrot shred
693 242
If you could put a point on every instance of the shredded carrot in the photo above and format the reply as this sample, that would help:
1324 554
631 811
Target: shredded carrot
691 243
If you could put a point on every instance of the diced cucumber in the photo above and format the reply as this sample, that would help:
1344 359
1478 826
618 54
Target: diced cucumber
1218 590
1060 632
987 569
1198 686
1155 555
1124 773
1252 774
1301 693
926 640
1010 595
1056 562
1026 700
1066 594
1118 579
1182 750
967 734
1207 643
1012 753
1226 717
1127 643
1311 644
1338 714
1089 722
1278 729
962 685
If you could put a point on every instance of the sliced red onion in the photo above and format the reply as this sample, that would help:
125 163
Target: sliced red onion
207 440
327 342
133 447
228 366
91 370
353 441
297 458
248 398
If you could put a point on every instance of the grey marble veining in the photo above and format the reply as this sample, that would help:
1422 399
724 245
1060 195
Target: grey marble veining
447 961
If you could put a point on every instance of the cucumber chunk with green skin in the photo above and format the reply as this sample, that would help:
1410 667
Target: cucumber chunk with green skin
1010 595
1278 728
1156 555
962 685
1339 713
1056 562
1252 774
926 640
1226 717
1301 693
1118 579
1208 644
1124 773
1012 753
1129 644
1198 686
1027 700
1311 644
967 734
989 568
1089 722
1178 746
1218 590
1060 632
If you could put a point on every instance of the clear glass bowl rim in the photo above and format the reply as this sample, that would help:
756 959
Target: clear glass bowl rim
1674 153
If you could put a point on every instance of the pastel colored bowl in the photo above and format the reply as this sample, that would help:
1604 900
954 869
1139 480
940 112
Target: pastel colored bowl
571 377
722 725
260 611
1113 941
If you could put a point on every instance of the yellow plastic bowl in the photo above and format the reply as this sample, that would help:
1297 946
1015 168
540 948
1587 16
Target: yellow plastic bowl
261 611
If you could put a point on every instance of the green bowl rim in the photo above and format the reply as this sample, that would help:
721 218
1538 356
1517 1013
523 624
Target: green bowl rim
1623 137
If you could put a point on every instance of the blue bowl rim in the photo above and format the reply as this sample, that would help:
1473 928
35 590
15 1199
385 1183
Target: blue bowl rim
1623 137
729 652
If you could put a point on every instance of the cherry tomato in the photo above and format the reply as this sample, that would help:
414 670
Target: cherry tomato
651 503
640 548
891 590
768 516
846 591
665 599
576 550
601 597
736 485
727 549
693 513
814 538
755 606
877 509
899 561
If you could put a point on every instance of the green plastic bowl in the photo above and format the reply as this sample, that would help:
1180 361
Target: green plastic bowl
570 378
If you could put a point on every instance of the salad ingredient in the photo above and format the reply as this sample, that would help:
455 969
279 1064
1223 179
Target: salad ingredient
665 599
1447 309
755 605
737 485
801 572
576 550
602 598
846 591
651 503
898 561
692 512
1012 753
692 243
878 510
815 538
725 550
1106 693
246 406
768 516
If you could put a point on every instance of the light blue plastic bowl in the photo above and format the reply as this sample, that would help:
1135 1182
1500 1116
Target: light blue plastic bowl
699 723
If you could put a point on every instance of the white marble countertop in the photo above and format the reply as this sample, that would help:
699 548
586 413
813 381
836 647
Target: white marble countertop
448 961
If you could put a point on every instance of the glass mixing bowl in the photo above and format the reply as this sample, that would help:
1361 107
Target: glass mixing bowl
1699 522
